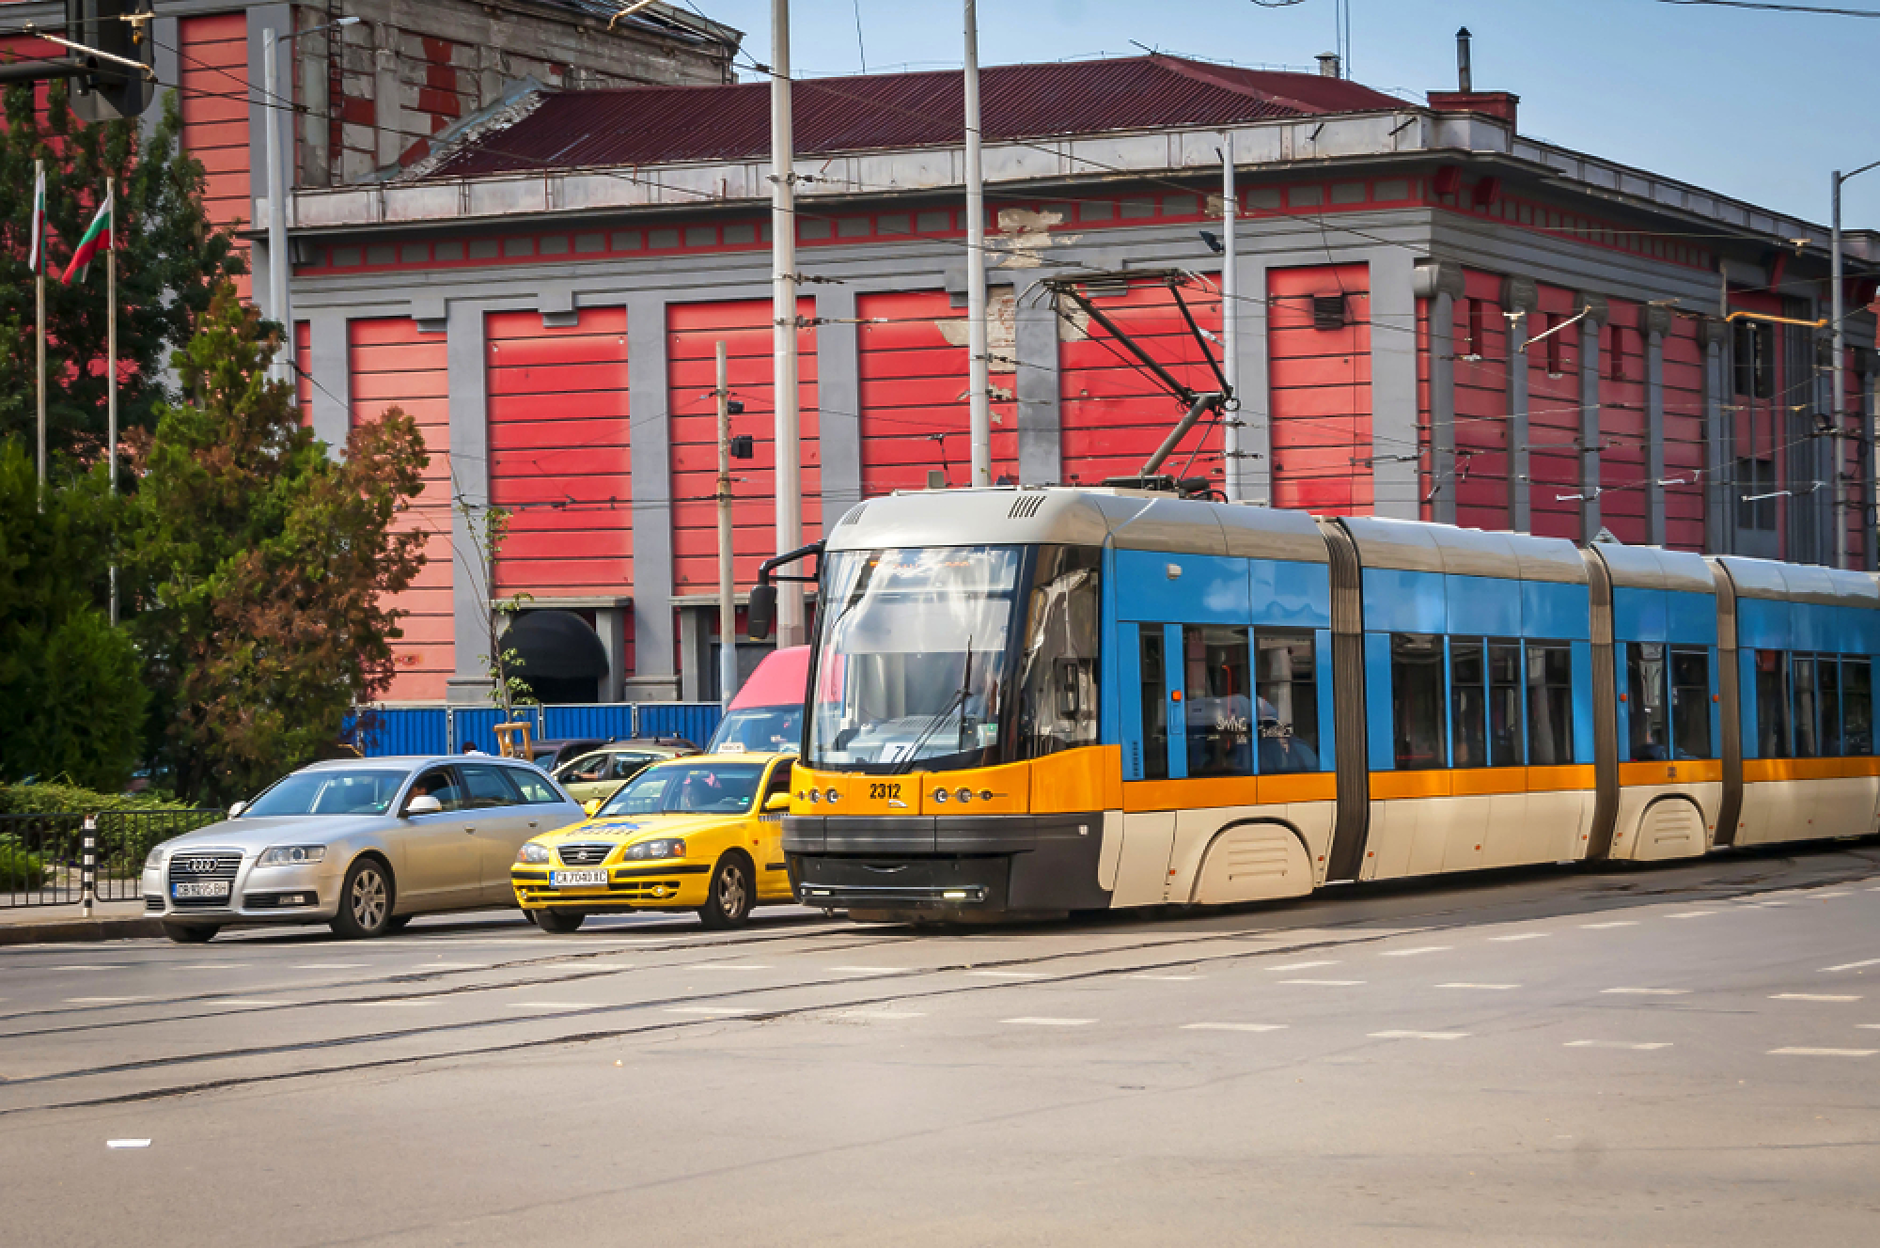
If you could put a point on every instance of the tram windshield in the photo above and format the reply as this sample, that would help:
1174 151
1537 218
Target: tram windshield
911 657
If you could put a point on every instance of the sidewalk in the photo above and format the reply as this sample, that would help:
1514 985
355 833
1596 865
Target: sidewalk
111 920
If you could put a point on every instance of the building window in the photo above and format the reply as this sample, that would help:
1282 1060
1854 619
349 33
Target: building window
1772 705
1416 686
1472 348
1690 703
1287 701
1218 712
1556 365
1756 480
1615 353
1549 704
1753 359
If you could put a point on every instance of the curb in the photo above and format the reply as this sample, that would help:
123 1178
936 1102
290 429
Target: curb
60 931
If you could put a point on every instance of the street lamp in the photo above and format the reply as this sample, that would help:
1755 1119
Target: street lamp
1840 488
279 309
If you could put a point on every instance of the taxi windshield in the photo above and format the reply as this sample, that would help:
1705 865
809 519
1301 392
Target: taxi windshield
693 788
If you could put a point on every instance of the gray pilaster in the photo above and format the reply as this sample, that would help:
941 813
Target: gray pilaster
470 491
328 364
1395 480
695 653
1040 416
609 626
1719 511
1591 522
651 443
1441 284
1653 324
838 402
261 115
168 64
1256 391
1519 299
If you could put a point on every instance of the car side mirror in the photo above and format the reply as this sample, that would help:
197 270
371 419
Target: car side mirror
235 811
776 802
423 804
591 805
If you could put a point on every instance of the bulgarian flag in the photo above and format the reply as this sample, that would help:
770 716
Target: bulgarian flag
38 256
97 238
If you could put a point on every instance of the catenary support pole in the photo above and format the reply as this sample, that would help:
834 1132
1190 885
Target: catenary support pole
727 606
1838 404
279 310
1230 320
783 282
111 365
39 176
979 384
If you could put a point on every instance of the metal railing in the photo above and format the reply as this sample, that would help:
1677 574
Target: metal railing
67 859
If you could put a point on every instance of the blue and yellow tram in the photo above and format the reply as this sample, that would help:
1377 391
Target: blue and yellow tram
1043 700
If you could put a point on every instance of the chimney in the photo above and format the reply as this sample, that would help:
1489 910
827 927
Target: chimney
1465 81
1328 65
1500 105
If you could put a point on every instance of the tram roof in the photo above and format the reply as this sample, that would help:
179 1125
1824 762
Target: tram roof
1126 519
1416 546
1651 567
1801 582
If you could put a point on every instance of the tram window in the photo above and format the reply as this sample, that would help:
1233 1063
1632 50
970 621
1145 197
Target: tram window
1154 705
1504 704
1690 704
1468 702
1215 688
1772 705
1058 675
1645 701
1807 710
1287 701
1828 678
1550 704
1416 701
1857 707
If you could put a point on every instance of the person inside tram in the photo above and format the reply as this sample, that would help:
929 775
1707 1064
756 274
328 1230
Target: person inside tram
1651 749
1282 753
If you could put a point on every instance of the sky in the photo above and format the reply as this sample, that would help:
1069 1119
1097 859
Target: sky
1757 105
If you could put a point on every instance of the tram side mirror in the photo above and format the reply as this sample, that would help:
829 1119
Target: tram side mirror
761 611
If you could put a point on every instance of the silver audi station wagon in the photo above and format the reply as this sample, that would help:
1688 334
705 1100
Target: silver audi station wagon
362 845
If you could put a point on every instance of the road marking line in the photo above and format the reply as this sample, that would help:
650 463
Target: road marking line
1048 1022
209 966
1852 966
552 1005
1810 996
1646 992
1233 1026
1594 927
1692 914
1826 896
1171 979
1008 974
1301 966
1483 987
1326 983
1822 1052
1419 1035
1411 953
722 1011
90 966
1768 903
127 1143
103 1000
732 966
1520 936
1868 1026
253 1001
1615 1044
867 970
331 966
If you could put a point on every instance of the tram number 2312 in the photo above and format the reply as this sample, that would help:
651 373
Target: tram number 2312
884 792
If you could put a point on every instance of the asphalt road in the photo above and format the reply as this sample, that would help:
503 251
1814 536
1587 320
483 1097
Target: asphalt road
1675 1055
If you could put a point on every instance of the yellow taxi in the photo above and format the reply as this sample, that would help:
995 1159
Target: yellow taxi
701 833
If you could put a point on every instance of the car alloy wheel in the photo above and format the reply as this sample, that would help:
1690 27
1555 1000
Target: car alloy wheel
729 903
365 901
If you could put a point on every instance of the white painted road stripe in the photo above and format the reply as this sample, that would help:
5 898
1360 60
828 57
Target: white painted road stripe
1326 983
209 966
1823 1052
1520 936
91 966
1827 896
1411 953
103 1000
1233 1026
1008 974
1646 992
1692 914
1615 1044
1483 987
1303 966
1594 927
1810 996
1419 1035
1049 1022
1852 966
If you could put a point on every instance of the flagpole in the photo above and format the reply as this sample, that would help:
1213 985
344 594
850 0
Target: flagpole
39 174
111 407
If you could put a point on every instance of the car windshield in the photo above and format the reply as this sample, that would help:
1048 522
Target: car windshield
671 788
361 792
910 662
760 728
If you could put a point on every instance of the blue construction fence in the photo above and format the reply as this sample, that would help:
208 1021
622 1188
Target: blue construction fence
379 731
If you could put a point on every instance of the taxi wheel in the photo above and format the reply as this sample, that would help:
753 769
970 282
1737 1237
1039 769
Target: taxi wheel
365 901
559 922
729 902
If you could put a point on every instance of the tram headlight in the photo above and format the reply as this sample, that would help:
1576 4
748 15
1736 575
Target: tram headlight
939 795
814 796
832 796
965 795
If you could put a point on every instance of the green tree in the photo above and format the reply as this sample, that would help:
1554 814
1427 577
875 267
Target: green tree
69 681
261 566
170 260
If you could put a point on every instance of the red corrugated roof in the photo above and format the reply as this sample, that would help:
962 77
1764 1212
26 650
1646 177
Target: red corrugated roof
661 125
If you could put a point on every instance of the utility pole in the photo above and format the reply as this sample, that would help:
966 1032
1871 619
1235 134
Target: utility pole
1837 404
278 309
783 282
39 207
111 365
727 607
979 384
1230 320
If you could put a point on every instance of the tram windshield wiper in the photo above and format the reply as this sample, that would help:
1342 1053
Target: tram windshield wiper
957 699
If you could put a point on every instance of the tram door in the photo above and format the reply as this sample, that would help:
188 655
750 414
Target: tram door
1154 753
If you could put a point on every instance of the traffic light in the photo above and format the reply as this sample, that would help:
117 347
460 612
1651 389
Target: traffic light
108 90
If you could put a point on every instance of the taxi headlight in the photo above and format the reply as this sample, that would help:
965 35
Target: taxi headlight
292 855
532 852
666 847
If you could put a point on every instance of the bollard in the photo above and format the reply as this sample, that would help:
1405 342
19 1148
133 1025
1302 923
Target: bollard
88 867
